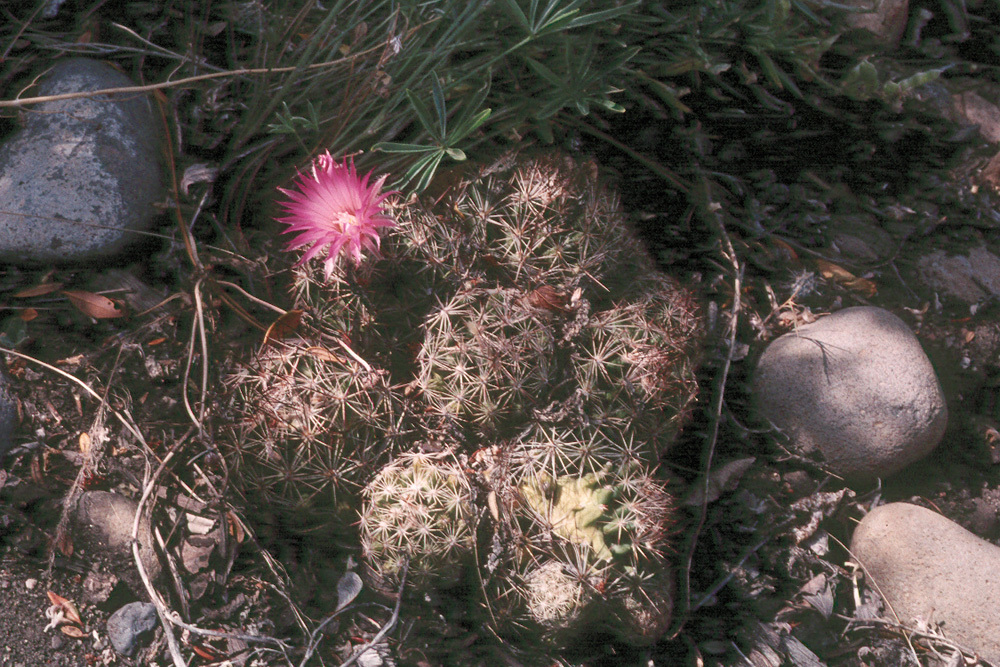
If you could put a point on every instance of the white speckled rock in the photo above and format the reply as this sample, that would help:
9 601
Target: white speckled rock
82 175
930 568
856 387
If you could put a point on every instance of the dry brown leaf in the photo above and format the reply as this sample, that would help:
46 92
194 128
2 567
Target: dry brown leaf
283 327
829 270
37 475
95 305
839 274
68 607
38 290
324 354
862 286
71 361
157 341
28 314
785 249
73 631
64 543
197 173
205 652
235 528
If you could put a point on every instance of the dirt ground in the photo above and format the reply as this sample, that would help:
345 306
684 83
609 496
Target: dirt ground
761 576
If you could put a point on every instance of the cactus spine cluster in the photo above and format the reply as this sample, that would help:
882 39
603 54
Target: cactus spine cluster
419 514
516 322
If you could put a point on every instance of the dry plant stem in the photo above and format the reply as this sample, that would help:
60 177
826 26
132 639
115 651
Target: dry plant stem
879 590
26 101
127 423
167 616
89 462
251 297
729 253
914 632
197 329
732 573
345 61
386 629
175 574
154 595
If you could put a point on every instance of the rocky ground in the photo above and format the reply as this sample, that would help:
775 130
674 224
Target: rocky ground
119 410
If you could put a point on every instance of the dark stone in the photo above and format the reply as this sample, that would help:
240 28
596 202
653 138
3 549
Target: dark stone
127 626
82 176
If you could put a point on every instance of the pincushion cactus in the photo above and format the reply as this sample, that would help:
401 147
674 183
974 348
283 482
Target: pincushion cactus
419 510
320 424
518 314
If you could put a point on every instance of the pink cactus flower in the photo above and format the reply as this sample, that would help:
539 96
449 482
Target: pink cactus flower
334 209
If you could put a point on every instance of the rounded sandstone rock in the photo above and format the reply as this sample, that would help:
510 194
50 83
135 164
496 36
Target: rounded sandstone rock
931 569
856 387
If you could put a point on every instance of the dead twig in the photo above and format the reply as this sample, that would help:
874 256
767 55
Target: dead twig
881 594
711 213
386 629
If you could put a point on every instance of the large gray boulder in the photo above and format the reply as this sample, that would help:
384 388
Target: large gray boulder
930 569
82 175
856 388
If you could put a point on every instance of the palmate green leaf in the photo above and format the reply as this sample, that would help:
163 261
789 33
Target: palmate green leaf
555 18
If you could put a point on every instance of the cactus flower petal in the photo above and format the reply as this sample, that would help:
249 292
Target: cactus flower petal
336 211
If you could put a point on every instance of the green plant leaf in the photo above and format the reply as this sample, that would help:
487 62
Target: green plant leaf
439 105
394 147
423 115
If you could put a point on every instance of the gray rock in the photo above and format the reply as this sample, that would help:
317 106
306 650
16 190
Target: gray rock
857 388
971 277
932 569
886 19
82 175
127 626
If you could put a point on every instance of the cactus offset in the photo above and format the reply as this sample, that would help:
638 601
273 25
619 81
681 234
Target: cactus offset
418 509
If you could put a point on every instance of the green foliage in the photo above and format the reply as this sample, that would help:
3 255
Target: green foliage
445 142
862 82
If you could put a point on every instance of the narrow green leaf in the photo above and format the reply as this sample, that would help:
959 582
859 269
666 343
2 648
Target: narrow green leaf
604 15
429 172
514 11
393 147
469 125
423 114
439 105
544 72
611 106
